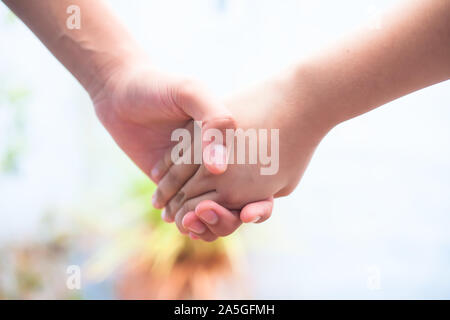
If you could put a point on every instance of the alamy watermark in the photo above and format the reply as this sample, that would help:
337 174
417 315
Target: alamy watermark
73 281
373 278
74 20
238 151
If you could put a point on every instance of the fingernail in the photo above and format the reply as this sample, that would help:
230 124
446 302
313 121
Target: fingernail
255 220
154 200
164 216
197 227
208 216
154 173
217 156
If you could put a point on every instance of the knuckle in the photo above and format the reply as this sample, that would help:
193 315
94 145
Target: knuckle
229 229
187 206
175 203
286 190
206 174
170 209
172 179
188 89
179 198
167 159
160 195
179 222
232 199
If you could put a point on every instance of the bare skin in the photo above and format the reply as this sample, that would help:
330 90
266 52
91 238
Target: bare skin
139 105
369 69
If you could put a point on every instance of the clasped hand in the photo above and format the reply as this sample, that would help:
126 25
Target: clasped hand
141 107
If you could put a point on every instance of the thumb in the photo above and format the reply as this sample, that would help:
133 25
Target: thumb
257 212
197 103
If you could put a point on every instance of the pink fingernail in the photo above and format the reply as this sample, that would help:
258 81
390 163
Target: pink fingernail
255 220
208 216
217 156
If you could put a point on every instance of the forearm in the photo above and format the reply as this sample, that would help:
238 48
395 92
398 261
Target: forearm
410 51
90 53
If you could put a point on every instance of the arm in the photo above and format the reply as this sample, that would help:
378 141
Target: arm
410 51
139 105
90 53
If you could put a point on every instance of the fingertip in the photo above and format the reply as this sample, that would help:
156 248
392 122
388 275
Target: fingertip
154 174
155 201
215 158
210 217
249 218
188 219
166 217
216 168
257 212
191 223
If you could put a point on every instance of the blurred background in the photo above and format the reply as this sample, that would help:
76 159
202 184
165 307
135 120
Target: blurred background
370 219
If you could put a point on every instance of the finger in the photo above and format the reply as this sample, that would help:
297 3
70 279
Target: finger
174 175
214 143
196 228
190 205
197 103
162 166
218 219
208 236
197 185
172 182
257 212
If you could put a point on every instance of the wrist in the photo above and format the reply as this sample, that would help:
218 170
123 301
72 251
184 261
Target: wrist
304 108
316 90
108 68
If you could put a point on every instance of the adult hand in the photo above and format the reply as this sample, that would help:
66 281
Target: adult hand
141 107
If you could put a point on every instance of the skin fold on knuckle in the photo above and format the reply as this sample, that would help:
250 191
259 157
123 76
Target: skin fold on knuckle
176 202
187 92
166 188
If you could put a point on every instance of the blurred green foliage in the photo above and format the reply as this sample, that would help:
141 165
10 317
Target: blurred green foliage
159 245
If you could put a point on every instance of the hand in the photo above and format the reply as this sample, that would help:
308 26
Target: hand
269 106
140 107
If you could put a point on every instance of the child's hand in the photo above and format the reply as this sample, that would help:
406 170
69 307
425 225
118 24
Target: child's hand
210 220
270 106
141 108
